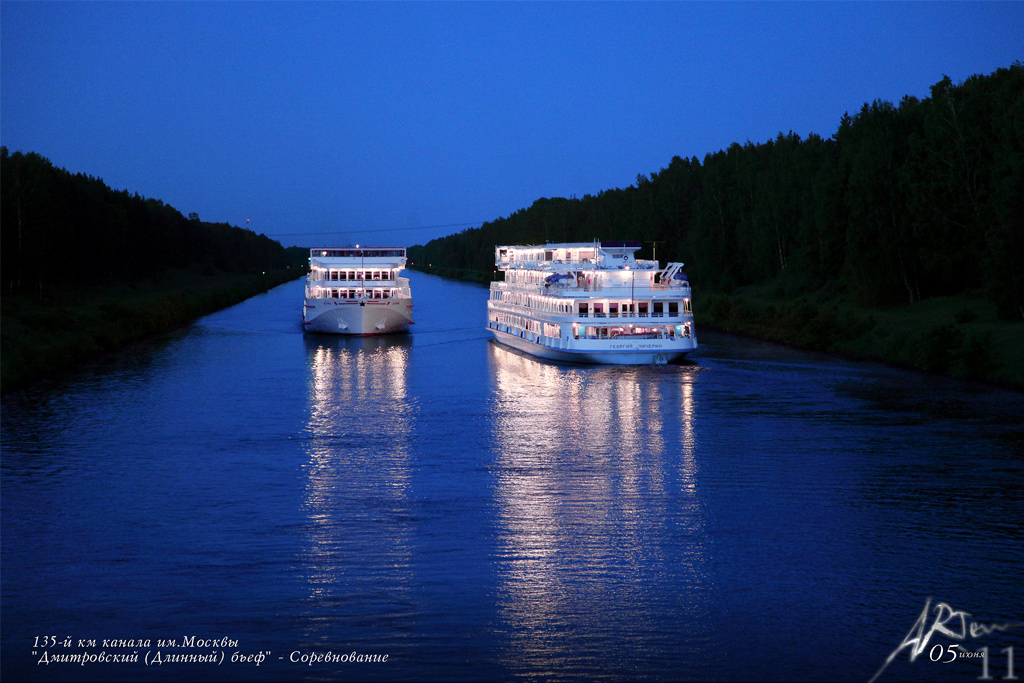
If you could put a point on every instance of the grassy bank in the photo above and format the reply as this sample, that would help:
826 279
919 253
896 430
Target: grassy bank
44 335
958 336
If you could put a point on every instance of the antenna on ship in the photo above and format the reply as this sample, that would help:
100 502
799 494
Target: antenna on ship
654 249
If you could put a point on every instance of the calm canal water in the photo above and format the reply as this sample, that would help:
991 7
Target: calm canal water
757 513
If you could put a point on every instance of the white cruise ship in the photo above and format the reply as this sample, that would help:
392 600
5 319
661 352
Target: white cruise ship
357 290
591 303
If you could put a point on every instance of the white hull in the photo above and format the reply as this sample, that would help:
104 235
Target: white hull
602 351
357 316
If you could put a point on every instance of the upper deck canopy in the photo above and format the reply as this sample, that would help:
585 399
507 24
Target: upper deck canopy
610 254
357 252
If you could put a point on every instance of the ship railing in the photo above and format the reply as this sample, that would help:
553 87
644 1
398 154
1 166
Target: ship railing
545 265
541 289
621 316
383 281
592 287
676 284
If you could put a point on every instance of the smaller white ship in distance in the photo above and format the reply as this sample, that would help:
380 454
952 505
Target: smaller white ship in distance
591 303
357 290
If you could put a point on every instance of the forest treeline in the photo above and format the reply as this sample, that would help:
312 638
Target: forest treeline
903 203
86 270
59 229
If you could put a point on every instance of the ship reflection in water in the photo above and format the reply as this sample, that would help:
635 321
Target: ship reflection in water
358 477
596 471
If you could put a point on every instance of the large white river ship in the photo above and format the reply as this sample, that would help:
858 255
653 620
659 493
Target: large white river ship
357 290
591 303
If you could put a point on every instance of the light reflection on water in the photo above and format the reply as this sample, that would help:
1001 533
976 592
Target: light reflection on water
591 480
357 477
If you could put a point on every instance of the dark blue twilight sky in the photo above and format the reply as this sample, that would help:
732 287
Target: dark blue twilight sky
330 122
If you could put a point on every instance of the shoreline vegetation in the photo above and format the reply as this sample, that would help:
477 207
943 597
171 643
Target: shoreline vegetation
41 339
960 336
898 239
86 270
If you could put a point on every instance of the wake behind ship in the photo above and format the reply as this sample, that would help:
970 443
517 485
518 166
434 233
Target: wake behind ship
591 303
353 290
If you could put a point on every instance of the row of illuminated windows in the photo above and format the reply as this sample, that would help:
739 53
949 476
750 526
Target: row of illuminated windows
357 253
620 332
547 255
323 274
518 325
628 309
549 304
610 309
519 322
324 293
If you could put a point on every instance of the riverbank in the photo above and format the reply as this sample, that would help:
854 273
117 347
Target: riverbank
43 336
959 336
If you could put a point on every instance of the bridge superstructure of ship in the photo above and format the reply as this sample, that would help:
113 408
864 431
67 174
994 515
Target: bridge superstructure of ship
357 290
591 302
